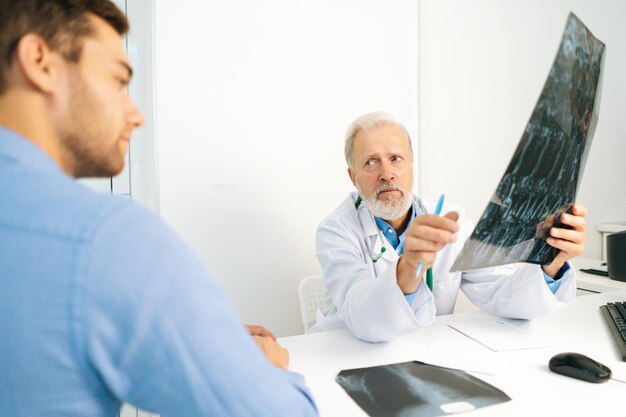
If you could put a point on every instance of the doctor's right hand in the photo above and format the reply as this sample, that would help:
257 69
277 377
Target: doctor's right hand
427 235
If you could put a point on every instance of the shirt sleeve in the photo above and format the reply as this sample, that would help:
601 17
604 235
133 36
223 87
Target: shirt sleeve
162 336
554 283
410 297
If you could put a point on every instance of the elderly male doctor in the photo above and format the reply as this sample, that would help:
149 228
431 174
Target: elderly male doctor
370 247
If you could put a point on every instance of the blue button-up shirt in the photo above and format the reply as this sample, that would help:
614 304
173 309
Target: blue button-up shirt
101 303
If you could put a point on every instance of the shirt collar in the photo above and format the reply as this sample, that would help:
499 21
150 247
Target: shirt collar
383 225
18 150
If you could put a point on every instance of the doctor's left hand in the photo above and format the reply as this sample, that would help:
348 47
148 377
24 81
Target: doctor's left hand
570 242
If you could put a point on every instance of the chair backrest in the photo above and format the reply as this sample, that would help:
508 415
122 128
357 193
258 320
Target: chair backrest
311 293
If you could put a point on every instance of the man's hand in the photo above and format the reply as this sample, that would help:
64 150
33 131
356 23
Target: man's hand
569 242
275 353
427 235
255 330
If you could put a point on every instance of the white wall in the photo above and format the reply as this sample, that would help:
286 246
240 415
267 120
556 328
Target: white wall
484 63
252 101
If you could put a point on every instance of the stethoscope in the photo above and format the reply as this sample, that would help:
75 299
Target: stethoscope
383 249
375 257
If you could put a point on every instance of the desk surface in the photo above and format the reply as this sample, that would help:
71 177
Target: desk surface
523 374
596 283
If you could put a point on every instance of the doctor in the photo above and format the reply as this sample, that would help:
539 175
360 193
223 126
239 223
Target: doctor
371 245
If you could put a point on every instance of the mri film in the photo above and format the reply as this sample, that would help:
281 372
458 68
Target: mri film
417 389
542 177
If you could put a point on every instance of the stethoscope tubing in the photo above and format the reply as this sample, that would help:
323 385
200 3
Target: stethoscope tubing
359 203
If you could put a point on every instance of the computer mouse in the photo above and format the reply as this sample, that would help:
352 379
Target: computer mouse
579 366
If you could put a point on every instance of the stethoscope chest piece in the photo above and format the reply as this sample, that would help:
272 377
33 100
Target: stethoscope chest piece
380 255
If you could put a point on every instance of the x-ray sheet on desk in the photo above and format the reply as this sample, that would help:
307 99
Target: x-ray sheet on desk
417 389
542 178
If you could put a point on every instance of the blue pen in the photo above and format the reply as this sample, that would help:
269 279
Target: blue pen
420 266
439 205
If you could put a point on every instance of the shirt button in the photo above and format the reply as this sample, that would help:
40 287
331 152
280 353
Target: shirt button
390 230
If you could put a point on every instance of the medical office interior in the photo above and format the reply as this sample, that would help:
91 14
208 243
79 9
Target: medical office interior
247 103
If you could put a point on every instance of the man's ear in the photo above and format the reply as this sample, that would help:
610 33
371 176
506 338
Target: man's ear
36 62
352 177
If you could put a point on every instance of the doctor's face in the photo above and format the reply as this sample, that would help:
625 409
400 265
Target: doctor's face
382 165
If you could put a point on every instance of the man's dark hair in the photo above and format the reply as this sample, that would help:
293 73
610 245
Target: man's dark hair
63 24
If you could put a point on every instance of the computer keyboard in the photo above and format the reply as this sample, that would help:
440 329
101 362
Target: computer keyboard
614 315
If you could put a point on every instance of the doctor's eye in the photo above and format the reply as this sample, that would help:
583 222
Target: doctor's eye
370 163
396 158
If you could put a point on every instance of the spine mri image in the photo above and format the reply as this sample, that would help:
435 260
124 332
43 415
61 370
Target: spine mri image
543 175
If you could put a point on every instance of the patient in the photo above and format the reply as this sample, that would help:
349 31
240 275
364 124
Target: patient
371 247
100 302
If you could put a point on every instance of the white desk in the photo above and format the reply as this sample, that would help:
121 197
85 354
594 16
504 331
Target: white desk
594 283
525 377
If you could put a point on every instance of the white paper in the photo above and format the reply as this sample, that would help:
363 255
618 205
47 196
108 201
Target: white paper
458 352
498 335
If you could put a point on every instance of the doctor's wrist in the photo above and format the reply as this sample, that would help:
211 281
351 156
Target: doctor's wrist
405 276
553 270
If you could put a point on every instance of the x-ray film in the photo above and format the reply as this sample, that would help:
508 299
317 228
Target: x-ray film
542 178
417 389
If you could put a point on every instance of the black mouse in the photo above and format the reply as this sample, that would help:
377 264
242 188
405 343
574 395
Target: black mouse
579 366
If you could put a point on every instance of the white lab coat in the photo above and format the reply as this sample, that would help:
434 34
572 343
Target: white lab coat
364 297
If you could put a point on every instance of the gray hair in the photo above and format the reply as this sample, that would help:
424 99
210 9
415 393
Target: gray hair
367 122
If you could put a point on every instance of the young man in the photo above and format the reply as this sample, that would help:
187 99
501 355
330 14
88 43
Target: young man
100 303
375 285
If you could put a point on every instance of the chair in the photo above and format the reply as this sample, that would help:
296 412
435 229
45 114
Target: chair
311 293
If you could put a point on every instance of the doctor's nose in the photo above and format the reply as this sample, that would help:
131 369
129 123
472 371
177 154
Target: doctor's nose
386 173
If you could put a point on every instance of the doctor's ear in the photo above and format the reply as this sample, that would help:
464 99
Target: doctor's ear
351 175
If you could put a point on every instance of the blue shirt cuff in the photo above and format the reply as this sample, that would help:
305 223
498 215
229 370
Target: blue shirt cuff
410 297
554 283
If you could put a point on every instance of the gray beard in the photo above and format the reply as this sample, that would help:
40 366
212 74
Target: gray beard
389 210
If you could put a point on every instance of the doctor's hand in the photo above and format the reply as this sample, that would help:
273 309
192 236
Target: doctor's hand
275 353
570 242
427 235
